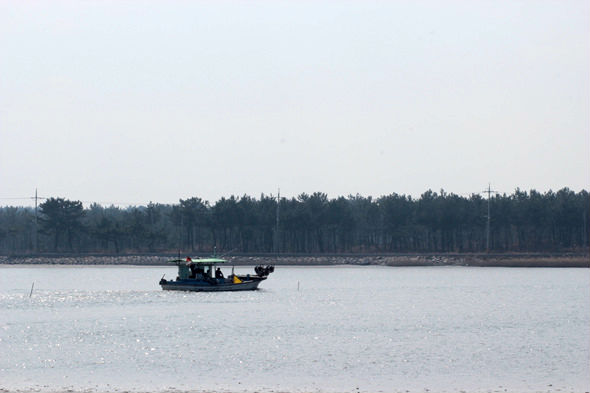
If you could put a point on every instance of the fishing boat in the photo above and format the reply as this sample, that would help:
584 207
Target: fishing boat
204 275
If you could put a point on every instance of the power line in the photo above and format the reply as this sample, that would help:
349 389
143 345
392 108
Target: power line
36 198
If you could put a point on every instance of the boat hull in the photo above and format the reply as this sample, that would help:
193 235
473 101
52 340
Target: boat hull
203 286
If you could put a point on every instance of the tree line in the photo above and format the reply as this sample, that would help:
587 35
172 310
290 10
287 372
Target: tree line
310 223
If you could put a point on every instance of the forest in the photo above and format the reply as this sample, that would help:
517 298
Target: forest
310 223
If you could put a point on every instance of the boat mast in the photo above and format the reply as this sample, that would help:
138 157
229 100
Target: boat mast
180 234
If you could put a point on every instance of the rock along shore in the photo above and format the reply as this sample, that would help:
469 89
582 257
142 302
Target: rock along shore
499 260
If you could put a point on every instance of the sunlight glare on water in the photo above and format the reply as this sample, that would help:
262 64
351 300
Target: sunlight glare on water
332 329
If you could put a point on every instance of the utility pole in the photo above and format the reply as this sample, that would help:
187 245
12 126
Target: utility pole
489 192
277 224
35 241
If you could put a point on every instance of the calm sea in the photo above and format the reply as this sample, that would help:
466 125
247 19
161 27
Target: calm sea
312 329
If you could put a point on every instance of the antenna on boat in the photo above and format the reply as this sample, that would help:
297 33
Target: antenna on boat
180 235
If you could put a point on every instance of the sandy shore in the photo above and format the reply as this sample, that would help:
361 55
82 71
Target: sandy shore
500 260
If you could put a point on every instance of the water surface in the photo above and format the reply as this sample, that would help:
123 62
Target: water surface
328 329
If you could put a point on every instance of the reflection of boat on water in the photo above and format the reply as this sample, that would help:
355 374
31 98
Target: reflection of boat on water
203 274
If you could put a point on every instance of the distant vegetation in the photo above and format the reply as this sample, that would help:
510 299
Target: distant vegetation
436 222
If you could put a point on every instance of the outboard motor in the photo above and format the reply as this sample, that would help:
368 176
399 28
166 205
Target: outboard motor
262 271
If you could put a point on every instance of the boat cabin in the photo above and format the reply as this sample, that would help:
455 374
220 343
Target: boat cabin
199 268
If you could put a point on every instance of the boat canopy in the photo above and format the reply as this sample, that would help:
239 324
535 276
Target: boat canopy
200 261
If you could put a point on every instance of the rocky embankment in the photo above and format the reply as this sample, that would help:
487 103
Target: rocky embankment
501 260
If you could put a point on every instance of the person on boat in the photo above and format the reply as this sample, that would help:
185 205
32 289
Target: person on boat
199 272
218 273
193 269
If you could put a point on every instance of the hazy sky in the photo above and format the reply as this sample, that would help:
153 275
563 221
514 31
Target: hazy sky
137 101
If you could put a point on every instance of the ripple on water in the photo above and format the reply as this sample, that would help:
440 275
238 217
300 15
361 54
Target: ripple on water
314 329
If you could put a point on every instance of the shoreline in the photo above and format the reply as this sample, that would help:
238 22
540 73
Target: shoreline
579 260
